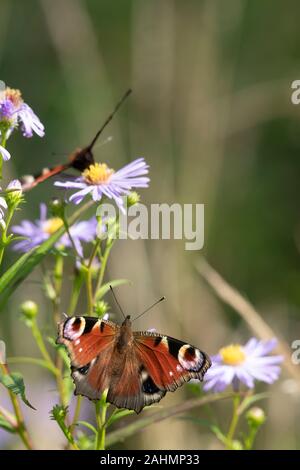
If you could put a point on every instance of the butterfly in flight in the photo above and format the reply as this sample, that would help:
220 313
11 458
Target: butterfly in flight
136 368
79 160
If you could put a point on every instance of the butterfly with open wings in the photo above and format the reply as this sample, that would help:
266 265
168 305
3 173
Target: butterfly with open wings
136 368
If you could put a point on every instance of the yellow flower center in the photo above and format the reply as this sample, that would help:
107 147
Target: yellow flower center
52 225
97 173
233 354
14 96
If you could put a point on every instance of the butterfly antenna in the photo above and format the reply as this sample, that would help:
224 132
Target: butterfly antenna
109 118
149 308
104 142
116 300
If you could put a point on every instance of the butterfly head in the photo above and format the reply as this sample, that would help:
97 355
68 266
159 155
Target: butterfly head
81 159
127 321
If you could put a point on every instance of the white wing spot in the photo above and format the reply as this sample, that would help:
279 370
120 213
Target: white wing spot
80 349
171 373
77 342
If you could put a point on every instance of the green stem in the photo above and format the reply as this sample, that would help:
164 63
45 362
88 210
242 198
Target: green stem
9 216
101 410
234 420
58 278
67 227
21 427
59 364
76 414
249 441
40 343
77 284
33 361
104 260
89 279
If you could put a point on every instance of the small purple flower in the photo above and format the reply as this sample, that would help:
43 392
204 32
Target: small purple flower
99 180
40 230
236 363
13 111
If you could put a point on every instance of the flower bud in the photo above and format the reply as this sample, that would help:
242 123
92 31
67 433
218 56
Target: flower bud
14 195
255 417
236 445
133 198
57 207
29 309
101 308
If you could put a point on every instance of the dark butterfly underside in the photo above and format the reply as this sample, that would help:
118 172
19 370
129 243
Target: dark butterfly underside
79 160
137 368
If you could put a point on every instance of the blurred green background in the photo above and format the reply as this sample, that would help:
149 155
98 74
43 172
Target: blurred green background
211 113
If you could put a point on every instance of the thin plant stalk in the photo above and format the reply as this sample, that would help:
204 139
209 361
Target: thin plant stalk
234 420
21 428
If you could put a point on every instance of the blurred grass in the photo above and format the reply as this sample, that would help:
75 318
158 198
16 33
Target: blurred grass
211 113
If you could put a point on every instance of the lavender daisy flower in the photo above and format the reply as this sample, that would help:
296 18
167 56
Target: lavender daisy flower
99 180
236 363
40 230
14 111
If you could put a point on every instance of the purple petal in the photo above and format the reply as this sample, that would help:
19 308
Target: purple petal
70 184
79 195
43 212
5 153
30 122
244 377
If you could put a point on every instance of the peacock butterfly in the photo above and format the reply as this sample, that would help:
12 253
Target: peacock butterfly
79 160
137 368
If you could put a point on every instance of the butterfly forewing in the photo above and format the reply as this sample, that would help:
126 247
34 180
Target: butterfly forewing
168 361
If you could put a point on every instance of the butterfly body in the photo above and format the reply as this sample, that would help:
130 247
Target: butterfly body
136 368
80 160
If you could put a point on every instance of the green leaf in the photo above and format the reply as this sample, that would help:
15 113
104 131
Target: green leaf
248 401
61 351
219 435
32 361
87 425
117 415
14 383
105 288
16 274
7 426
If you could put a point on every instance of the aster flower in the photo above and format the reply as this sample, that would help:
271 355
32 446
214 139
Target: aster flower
14 111
40 230
237 364
99 180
